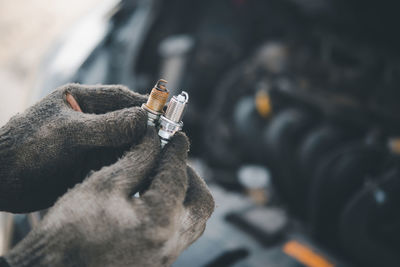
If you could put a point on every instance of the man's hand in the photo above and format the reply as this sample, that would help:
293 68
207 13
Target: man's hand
99 223
52 146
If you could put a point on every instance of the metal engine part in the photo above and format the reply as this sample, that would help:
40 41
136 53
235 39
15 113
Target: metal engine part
171 121
156 102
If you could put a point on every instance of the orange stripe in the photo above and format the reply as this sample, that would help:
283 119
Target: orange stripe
305 255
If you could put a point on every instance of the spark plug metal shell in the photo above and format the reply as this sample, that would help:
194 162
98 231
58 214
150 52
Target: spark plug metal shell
156 102
171 121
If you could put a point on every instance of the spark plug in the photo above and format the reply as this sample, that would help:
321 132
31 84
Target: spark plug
171 121
156 102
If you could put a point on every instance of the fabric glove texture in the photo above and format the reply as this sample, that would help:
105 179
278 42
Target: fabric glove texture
50 147
100 223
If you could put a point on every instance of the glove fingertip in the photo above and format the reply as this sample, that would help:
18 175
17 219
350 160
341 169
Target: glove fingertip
203 197
179 146
151 138
140 115
135 124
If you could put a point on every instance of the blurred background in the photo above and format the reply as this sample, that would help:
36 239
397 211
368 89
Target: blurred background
28 29
293 113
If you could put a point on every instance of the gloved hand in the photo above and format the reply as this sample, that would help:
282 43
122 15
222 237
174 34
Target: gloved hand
99 223
51 146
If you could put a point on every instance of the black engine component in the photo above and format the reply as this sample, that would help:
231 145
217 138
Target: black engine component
314 147
369 227
281 138
248 126
341 174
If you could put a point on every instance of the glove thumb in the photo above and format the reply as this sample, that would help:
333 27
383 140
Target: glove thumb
113 129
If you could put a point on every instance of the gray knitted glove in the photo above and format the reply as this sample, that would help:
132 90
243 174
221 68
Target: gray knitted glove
51 146
99 223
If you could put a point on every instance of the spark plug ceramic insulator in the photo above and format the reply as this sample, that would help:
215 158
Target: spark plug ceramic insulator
171 121
156 102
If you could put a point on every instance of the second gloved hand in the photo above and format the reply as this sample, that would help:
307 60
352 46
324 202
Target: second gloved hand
52 146
99 223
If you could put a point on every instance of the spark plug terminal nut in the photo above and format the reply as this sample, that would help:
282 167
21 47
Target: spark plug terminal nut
171 121
156 102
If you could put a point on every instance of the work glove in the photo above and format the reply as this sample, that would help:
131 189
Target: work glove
55 143
99 223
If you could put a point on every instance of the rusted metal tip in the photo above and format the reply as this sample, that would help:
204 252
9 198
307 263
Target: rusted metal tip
161 85
158 97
